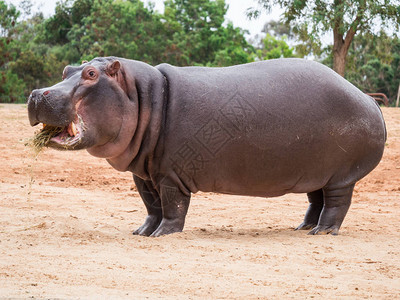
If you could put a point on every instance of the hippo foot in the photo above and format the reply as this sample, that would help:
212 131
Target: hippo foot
150 225
319 229
168 227
305 226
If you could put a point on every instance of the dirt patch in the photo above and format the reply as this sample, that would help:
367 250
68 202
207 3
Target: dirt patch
69 235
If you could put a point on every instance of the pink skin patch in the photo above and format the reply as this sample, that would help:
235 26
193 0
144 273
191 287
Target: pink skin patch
46 93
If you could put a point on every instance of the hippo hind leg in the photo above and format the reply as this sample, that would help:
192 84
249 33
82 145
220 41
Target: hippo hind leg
152 202
336 204
316 200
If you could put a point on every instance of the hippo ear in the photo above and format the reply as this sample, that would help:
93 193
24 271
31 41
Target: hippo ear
84 62
116 70
113 68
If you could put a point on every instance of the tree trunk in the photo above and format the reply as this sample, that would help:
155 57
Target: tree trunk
339 60
341 48
341 44
398 97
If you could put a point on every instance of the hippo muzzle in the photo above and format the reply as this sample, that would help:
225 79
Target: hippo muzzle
55 107
50 106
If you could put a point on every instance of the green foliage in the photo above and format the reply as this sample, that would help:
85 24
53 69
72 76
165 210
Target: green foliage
11 87
199 36
67 14
119 28
275 43
274 48
373 64
34 50
315 18
9 15
34 61
188 33
310 20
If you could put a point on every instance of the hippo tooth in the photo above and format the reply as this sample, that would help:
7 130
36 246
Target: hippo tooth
72 129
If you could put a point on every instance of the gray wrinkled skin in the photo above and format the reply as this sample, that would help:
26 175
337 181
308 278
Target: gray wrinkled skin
261 129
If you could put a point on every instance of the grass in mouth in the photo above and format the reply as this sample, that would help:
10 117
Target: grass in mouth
42 138
37 143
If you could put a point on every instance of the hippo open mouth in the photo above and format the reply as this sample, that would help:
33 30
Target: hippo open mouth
65 137
70 136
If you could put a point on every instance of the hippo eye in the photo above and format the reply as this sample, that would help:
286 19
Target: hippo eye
89 73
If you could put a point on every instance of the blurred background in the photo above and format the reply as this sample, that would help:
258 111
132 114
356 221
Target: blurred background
360 40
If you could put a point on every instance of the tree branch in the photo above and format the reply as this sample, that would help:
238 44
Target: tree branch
354 25
338 21
349 37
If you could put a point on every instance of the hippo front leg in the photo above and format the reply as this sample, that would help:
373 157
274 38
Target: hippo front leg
175 205
336 204
152 202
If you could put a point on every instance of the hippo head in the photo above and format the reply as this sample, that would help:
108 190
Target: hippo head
95 107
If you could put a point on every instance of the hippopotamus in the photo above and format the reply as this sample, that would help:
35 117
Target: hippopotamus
261 129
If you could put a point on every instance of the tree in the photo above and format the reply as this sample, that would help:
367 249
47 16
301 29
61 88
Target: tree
200 38
233 50
93 28
11 87
9 16
34 60
34 49
311 19
271 47
275 42
67 13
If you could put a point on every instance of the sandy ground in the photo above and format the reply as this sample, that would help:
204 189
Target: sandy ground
67 234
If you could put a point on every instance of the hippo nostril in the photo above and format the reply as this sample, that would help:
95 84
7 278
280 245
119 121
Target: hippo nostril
34 95
32 99
46 93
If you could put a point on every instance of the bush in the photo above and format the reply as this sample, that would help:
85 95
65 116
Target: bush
11 88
